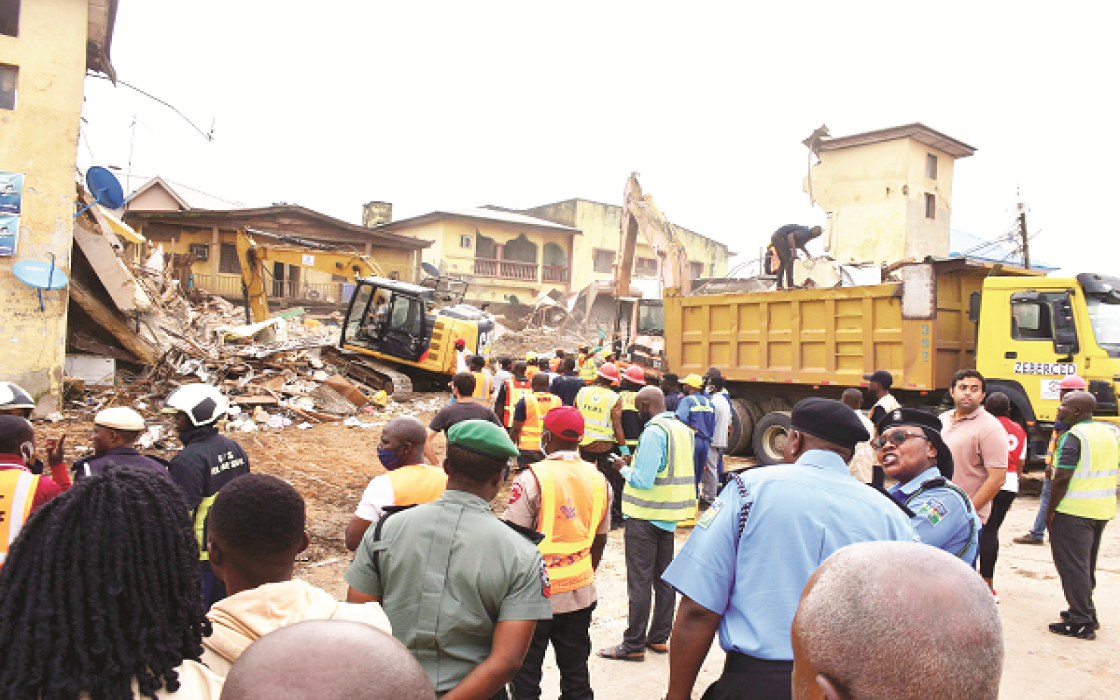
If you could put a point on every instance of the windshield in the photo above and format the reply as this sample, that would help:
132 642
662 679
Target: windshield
651 319
1106 323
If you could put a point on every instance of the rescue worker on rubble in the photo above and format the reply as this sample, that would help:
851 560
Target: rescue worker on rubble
583 351
462 589
515 389
115 431
207 462
14 401
563 498
633 379
696 411
528 417
786 241
589 370
603 438
22 492
483 382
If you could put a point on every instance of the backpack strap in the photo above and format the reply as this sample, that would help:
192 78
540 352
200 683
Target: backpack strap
902 506
941 482
529 534
386 512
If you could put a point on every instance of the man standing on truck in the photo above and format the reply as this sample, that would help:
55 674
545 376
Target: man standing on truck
879 386
787 241
977 440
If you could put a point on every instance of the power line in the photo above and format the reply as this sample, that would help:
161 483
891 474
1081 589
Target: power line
207 136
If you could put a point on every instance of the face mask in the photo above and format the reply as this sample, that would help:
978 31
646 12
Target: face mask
388 458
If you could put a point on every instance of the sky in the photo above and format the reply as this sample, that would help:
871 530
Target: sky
434 105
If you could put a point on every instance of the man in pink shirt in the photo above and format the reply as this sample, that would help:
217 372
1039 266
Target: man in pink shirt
977 440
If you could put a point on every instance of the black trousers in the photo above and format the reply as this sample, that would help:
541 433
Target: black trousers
747 678
1074 544
785 259
570 635
649 551
989 535
602 460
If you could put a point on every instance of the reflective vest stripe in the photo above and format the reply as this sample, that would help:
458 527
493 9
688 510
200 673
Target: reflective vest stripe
537 406
595 404
1092 489
516 389
18 491
482 386
416 484
566 548
660 505
673 494
588 370
200 514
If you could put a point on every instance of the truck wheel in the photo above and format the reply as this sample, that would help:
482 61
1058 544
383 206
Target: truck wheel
744 415
770 437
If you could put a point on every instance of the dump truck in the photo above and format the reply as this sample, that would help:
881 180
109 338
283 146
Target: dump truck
1023 331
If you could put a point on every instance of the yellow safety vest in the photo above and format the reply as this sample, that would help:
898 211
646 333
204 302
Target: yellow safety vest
482 386
200 514
516 389
536 406
17 494
631 425
595 403
589 370
573 502
673 495
416 484
1092 490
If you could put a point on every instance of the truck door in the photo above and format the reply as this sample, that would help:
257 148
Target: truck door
1042 347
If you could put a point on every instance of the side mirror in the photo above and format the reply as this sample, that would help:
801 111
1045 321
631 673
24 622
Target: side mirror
974 307
1065 331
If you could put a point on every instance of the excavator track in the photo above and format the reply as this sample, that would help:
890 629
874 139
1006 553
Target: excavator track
369 371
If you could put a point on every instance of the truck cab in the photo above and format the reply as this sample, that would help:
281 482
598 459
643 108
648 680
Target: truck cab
1032 333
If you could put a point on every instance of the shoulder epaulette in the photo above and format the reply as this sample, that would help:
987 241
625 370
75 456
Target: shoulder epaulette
529 534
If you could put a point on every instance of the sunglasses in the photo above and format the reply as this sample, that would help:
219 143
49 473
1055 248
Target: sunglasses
895 438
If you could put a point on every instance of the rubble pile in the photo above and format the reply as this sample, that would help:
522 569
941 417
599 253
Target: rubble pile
538 339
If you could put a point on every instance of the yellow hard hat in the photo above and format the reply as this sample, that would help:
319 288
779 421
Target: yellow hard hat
693 380
530 356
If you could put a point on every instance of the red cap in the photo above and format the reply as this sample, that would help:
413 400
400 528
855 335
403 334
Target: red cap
462 342
565 422
1073 382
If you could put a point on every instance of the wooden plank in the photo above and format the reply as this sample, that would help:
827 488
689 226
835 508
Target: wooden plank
111 322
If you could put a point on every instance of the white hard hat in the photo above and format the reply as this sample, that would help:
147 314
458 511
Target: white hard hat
202 403
120 418
12 395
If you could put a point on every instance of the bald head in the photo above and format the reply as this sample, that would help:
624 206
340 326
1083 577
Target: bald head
327 660
408 429
896 620
650 399
852 398
1077 406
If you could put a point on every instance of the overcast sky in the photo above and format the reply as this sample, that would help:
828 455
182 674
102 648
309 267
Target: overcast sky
460 104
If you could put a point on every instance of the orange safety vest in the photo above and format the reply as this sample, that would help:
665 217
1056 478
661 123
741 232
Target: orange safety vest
417 484
573 503
554 364
17 494
530 371
536 407
482 386
516 389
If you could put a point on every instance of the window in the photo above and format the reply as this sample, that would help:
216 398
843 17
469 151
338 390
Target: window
603 260
931 166
465 242
228 261
9 76
555 255
201 251
695 270
486 248
520 249
1030 320
645 266
931 205
9 17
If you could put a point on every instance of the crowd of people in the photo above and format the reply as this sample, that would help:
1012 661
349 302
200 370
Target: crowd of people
127 576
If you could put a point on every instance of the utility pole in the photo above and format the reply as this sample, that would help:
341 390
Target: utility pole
1023 233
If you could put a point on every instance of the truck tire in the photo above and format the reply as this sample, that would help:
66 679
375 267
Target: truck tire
744 415
769 438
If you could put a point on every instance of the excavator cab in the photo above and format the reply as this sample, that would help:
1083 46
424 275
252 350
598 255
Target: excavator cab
391 318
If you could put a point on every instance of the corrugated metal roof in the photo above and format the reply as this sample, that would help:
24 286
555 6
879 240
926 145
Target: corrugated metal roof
1003 250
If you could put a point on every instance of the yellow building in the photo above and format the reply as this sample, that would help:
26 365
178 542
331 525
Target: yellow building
563 246
888 193
46 48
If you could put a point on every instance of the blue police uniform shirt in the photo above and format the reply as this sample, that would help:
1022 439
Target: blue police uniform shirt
793 516
696 411
943 517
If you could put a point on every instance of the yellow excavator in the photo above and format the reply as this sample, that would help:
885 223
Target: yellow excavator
396 336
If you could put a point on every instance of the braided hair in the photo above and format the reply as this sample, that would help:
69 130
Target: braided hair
102 587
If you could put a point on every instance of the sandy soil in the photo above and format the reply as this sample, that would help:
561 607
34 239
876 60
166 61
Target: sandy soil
331 464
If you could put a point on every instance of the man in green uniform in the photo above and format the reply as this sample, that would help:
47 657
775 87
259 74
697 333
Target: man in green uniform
462 589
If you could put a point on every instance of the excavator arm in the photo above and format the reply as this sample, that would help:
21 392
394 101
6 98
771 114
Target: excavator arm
305 254
641 215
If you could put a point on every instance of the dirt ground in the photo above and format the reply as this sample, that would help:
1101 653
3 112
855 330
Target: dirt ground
331 465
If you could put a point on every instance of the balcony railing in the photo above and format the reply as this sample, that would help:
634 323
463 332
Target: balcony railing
506 269
554 273
230 286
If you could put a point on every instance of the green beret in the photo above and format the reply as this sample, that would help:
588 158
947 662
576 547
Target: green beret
482 437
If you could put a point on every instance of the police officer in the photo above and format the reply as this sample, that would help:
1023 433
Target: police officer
115 431
910 450
696 411
462 589
207 462
743 568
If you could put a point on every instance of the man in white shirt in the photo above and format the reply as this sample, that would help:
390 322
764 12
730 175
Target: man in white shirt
721 402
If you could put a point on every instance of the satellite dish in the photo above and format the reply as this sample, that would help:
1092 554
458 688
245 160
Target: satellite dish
430 269
105 188
40 275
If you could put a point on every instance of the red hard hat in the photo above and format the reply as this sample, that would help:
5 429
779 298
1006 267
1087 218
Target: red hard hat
1073 382
635 374
609 371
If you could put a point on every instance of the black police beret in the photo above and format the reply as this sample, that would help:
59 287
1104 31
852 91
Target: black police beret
829 420
930 425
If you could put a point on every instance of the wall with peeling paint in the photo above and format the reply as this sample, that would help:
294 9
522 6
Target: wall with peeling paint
40 138
875 195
